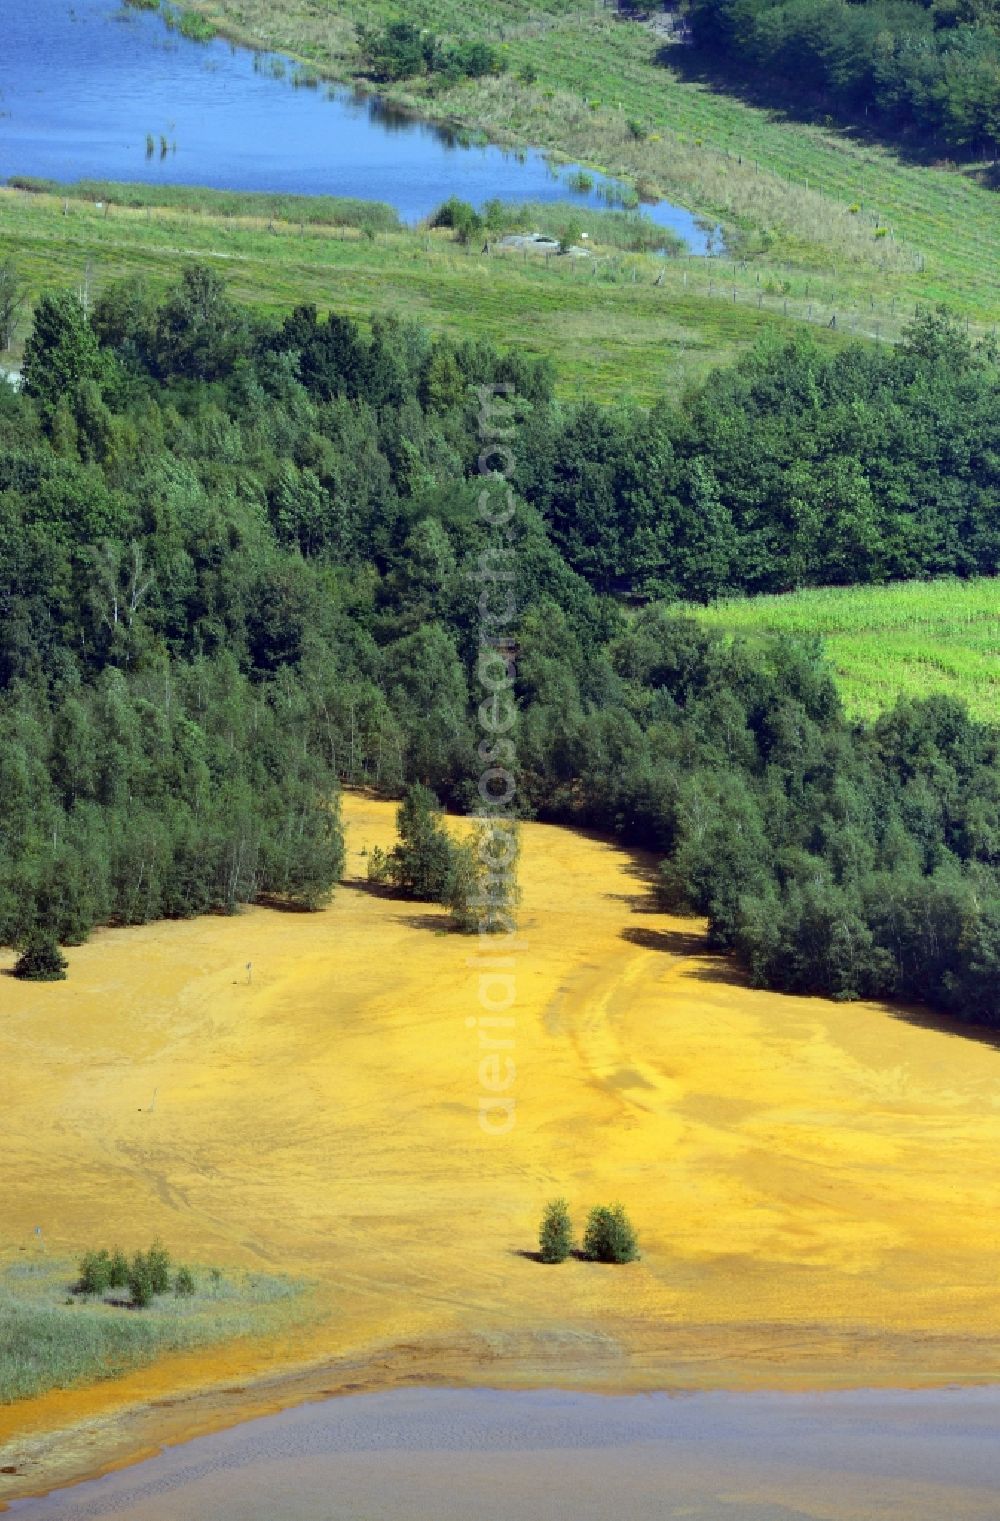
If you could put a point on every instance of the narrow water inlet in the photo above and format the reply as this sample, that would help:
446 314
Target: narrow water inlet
441 1455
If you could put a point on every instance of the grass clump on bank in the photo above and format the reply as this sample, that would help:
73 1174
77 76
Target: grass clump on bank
627 231
53 1338
189 22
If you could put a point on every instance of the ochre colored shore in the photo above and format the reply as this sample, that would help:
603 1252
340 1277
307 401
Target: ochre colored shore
815 1185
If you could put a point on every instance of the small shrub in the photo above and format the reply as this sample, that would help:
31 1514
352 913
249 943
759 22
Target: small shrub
464 219
140 1282
569 237
402 50
379 867
610 1236
482 890
555 1234
118 1277
41 960
422 860
95 1273
158 1262
193 26
184 1283
496 215
636 131
149 1275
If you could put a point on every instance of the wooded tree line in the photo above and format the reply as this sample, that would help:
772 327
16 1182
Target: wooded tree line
233 569
789 469
929 69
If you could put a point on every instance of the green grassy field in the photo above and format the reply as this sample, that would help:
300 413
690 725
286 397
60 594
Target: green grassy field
915 638
804 198
52 1339
608 327
315 210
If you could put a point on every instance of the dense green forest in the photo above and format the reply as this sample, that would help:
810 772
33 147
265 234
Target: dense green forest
929 70
235 562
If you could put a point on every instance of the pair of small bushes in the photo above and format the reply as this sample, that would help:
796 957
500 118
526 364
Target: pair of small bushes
609 1235
145 1275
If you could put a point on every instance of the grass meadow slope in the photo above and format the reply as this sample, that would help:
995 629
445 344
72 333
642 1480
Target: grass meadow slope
795 196
911 639
620 324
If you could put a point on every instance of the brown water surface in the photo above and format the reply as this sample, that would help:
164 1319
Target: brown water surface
451 1455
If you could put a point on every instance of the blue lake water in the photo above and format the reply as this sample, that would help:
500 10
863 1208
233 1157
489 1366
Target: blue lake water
83 83
485 1455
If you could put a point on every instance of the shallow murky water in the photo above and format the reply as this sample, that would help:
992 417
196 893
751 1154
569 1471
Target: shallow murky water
441 1455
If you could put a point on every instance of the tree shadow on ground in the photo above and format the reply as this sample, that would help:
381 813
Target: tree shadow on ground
281 905
785 100
682 943
723 968
374 889
941 1024
441 924
639 903
576 1255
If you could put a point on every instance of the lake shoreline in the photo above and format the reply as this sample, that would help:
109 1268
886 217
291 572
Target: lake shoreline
183 112
122 1435
418 112
833 1448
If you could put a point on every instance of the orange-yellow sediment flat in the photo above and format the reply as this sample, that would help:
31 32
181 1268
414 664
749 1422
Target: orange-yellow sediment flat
816 1186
